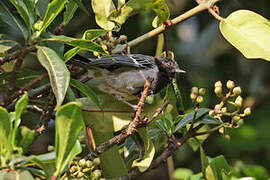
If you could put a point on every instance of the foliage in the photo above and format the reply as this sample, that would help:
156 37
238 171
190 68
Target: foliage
39 85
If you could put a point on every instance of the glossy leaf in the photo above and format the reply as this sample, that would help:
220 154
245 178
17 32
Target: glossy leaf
80 43
190 117
82 6
133 7
204 160
149 151
9 18
90 34
71 8
102 10
26 137
166 124
182 173
5 134
54 8
86 91
57 70
69 116
7 45
41 7
18 175
26 11
19 108
206 119
248 32
216 167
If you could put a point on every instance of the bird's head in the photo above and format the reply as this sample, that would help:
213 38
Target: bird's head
168 66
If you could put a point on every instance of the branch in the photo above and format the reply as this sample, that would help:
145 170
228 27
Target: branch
9 57
203 5
132 127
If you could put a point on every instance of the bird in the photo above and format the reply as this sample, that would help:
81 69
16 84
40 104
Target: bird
124 76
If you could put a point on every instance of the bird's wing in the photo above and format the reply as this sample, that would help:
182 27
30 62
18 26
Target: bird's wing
114 62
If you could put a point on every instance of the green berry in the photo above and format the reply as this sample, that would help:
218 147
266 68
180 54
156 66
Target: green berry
82 163
202 91
224 109
80 175
239 101
97 173
211 113
193 96
218 84
236 118
247 111
199 99
96 161
237 90
195 90
230 84
218 91
89 163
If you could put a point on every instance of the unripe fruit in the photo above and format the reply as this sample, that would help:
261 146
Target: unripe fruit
247 111
240 122
202 91
230 84
195 90
239 101
237 90
80 175
221 130
89 163
96 161
236 118
82 163
218 84
218 91
199 99
217 107
193 96
97 173
104 47
224 109
95 53
211 113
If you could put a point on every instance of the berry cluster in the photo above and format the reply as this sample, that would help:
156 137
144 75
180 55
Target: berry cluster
230 105
85 169
196 94
108 42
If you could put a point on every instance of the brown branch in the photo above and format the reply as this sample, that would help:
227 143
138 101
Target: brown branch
9 57
202 6
27 87
132 127
15 72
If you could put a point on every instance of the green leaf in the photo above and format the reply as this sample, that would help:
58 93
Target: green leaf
27 137
18 175
189 118
166 124
248 32
70 117
7 46
80 43
86 91
8 17
90 34
82 6
54 8
41 7
5 134
206 119
216 167
19 108
71 8
102 10
57 70
204 160
26 11
133 7
182 173
144 162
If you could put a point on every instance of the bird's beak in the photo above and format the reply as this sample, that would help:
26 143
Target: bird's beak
180 71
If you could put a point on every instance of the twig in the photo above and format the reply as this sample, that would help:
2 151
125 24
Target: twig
132 127
203 5
26 88
15 71
9 57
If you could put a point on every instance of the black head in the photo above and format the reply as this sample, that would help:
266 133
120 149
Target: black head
168 66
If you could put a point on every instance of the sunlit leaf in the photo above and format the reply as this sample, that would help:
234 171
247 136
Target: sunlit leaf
54 8
57 70
69 116
248 32
18 175
26 137
182 173
86 91
216 167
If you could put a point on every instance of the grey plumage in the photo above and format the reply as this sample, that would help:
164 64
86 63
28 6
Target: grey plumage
123 76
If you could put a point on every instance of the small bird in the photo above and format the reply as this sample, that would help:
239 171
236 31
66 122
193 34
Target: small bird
124 76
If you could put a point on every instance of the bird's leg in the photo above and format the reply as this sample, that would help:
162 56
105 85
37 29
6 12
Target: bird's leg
119 98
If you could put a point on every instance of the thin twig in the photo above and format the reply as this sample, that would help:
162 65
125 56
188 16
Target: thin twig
132 127
204 5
